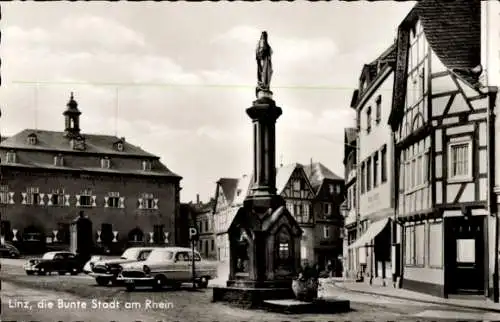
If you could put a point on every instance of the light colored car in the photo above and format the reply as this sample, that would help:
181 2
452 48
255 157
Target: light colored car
107 270
170 266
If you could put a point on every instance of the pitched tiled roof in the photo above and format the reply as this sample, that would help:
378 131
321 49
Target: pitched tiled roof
202 207
240 188
453 30
160 171
373 70
228 186
317 173
95 144
389 55
56 141
283 175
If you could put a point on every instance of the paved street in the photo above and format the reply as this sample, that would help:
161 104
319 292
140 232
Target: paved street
186 304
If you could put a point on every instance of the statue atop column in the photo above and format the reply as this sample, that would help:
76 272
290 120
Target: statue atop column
264 65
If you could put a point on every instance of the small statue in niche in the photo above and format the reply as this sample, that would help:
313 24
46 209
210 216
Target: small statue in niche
242 253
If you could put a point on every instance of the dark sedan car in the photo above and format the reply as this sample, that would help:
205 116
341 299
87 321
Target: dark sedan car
9 250
60 262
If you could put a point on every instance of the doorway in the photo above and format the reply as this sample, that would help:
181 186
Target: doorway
464 255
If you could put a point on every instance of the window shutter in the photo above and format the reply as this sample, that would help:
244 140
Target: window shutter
106 202
140 203
166 237
94 201
155 203
77 200
66 200
42 199
49 200
24 194
115 236
11 198
122 202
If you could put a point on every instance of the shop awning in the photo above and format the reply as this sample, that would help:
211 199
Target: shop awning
373 230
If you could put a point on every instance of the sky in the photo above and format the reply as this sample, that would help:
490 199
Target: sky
175 78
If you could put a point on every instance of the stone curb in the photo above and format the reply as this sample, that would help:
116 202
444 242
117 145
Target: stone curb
399 297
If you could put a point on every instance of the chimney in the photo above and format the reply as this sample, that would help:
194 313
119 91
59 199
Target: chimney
198 198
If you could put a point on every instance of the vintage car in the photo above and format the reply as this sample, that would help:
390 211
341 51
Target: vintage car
87 268
168 266
106 270
60 262
9 250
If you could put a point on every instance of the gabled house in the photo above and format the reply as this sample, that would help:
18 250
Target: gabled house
444 157
329 190
310 202
371 144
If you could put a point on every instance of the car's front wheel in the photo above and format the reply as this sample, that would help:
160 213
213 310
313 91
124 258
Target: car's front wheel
102 281
29 272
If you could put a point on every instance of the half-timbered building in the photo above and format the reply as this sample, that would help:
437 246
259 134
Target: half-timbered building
49 177
329 191
440 118
312 194
372 102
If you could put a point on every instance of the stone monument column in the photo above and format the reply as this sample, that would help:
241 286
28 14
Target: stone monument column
264 237
264 114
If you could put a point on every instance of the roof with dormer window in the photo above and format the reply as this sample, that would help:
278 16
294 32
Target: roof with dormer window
96 144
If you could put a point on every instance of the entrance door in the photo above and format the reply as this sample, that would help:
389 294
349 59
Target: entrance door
466 255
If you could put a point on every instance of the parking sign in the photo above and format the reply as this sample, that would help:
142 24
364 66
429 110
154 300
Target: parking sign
193 234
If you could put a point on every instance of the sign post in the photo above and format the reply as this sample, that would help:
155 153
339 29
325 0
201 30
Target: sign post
193 237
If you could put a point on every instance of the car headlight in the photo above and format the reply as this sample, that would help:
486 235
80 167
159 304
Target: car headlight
146 269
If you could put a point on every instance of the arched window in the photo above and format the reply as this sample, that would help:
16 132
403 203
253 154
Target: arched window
32 234
136 235
284 248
